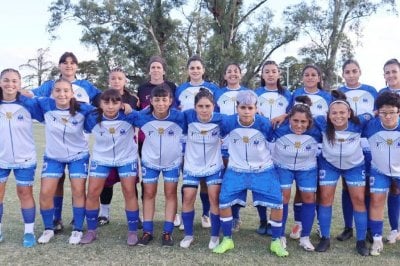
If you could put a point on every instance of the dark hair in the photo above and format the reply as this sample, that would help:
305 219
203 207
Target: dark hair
388 98
203 93
74 105
64 57
302 106
2 73
392 61
339 97
107 96
316 68
281 89
350 61
162 90
159 59
192 59
225 83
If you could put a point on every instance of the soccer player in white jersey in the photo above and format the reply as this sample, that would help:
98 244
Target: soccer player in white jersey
342 156
113 132
66 145
250 167
383 134
295 158
161 154
17 148
202 161
361 98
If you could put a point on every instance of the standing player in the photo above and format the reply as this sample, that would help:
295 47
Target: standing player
17 148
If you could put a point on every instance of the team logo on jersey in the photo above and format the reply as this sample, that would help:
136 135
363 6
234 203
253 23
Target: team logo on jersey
20 117
171 132
111 130
308 147
319 106
389 142
256 142
203 132
161 130
214 133
352 139
271 101
9 115
355 99
341 140
122 132
233 99
280 103
245 139
297 144
365 100
64 120
74 122
79 95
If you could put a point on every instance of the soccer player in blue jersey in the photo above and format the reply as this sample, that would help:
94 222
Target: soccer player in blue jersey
274 103
17 148
202 161
342 156
66 145
250 167
114 147
161 153
361 98
295 158
383 134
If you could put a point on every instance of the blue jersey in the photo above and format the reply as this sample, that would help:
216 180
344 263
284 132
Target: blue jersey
271 104
65 140
247 145
17 146
203 145
84 91
113 145
361 99
385 147
345 152
184 95
387 89
225 100
295 152
320 101
162 143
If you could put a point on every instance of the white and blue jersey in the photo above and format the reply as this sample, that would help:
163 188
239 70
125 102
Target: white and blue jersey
65 139
114 145
248 147
320 101
185 93
203 145
225 100
272 104
17 146
84 91
385 147
162 147
295 152
387 89
361 99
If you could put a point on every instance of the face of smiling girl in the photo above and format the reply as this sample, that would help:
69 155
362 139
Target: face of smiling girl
62 94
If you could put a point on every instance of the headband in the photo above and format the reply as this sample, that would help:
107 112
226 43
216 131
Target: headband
339 101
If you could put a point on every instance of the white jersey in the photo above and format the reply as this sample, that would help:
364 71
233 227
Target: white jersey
248 147
65 139
185 93
272 104
225 100
114 139
162 147
203 145
385 148
17 146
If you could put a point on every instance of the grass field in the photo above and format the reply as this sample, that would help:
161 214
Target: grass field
111 248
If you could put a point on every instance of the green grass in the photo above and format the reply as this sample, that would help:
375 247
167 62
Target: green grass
111 248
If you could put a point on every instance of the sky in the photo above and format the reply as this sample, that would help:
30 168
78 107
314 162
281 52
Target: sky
23 32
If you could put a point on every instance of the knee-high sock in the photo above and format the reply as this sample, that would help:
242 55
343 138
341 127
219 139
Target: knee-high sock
307 218
262 213
187 219
393 211
206 203
325 219
226 224
361 221
347 208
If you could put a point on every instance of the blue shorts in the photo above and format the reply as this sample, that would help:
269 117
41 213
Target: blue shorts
367 160
329 174
264 185
306 181
25 177
102 171
380 183
55 169
225 153
194 181
150 176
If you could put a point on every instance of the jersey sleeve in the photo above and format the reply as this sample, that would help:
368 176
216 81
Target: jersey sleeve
44 90
90 121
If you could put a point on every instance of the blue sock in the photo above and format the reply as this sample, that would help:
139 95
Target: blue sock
168 227
276 228
284 218
297 211
187 219
132 217
361 221
91 219
307 218
376 227
1 211
47 217
325 219
206 203
58 204
79 217
215 224
226 224
393 211
262 213
29 215
148 227
347 208
235 211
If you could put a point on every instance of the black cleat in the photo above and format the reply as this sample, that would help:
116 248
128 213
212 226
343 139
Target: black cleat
323 245
362 248
346 234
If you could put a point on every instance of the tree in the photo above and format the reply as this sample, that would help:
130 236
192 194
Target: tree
39 67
